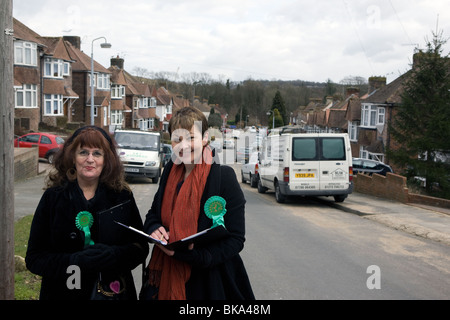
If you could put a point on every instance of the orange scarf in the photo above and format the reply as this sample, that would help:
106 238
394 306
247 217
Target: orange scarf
179 212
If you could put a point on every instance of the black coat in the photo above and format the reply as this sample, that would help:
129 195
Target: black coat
218 271
55 241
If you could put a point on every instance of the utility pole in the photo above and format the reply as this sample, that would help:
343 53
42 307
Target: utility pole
6 153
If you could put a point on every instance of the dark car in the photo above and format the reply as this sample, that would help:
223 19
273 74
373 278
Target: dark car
166 153
368 166
49 144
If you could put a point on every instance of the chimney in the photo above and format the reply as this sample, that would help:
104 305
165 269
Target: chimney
118 62
376 83
74 40
351 90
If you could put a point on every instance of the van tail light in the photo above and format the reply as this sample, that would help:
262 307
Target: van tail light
256 168
350 174
286 174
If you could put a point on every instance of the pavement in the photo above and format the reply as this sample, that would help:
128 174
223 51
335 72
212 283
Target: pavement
423 221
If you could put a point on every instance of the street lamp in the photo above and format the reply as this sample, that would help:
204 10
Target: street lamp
104 45
273 118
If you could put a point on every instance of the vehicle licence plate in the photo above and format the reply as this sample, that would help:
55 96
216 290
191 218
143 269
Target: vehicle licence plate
304 175
131 169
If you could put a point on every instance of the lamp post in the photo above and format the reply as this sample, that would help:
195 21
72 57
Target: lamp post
273 118
103 45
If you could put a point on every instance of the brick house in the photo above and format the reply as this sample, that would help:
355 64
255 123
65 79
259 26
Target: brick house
27 78
81 75
42 80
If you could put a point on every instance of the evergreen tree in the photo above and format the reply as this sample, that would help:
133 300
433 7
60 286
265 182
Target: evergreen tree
421 126
278 119
278 103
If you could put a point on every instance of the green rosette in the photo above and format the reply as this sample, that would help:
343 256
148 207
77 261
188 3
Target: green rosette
84 221
215 210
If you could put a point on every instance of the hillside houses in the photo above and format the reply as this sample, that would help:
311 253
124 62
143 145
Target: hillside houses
52 79
365 117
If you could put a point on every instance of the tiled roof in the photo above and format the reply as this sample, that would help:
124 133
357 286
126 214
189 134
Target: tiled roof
22 32
83 61
390 93
117 76
56 48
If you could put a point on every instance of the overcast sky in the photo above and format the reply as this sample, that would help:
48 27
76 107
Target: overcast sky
242 39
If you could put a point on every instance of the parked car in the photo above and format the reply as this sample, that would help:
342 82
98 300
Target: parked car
228 144
243 155
167 153
49 144
370 167
249 170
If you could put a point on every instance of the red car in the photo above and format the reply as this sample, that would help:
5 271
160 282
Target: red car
49 144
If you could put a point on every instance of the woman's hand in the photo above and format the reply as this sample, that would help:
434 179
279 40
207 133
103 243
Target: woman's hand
160 234
163 235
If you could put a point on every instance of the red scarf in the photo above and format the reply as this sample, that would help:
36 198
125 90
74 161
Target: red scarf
179 212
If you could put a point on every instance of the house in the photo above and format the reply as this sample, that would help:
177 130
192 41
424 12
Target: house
42 80
28 47
377 110
58 95
164 106
81 77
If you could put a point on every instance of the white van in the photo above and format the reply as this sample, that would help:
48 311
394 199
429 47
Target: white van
140 153
306 164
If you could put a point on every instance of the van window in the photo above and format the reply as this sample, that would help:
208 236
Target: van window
140 141
333 149
304 149
313 149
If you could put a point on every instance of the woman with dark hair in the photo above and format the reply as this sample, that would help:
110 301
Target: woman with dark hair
85 192
191 180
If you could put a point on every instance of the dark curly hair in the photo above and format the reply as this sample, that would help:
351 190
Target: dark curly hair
93 137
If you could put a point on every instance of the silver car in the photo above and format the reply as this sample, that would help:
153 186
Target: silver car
249 170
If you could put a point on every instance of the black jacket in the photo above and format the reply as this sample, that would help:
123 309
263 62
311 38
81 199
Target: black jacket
218 271
56 243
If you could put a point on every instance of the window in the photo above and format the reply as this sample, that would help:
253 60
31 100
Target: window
26 97
116 117
309 149
53 105
25 53
381 117
333 149
66 69
353 130
304 149
372 115
53 68
45 140
117 91
103 81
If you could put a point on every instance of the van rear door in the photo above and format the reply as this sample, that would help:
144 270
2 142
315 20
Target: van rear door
334 165
305 165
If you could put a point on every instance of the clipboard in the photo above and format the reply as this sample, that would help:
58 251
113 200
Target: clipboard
207 235
108 231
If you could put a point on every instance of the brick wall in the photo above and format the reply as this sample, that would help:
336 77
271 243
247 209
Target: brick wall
393 187
26 163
